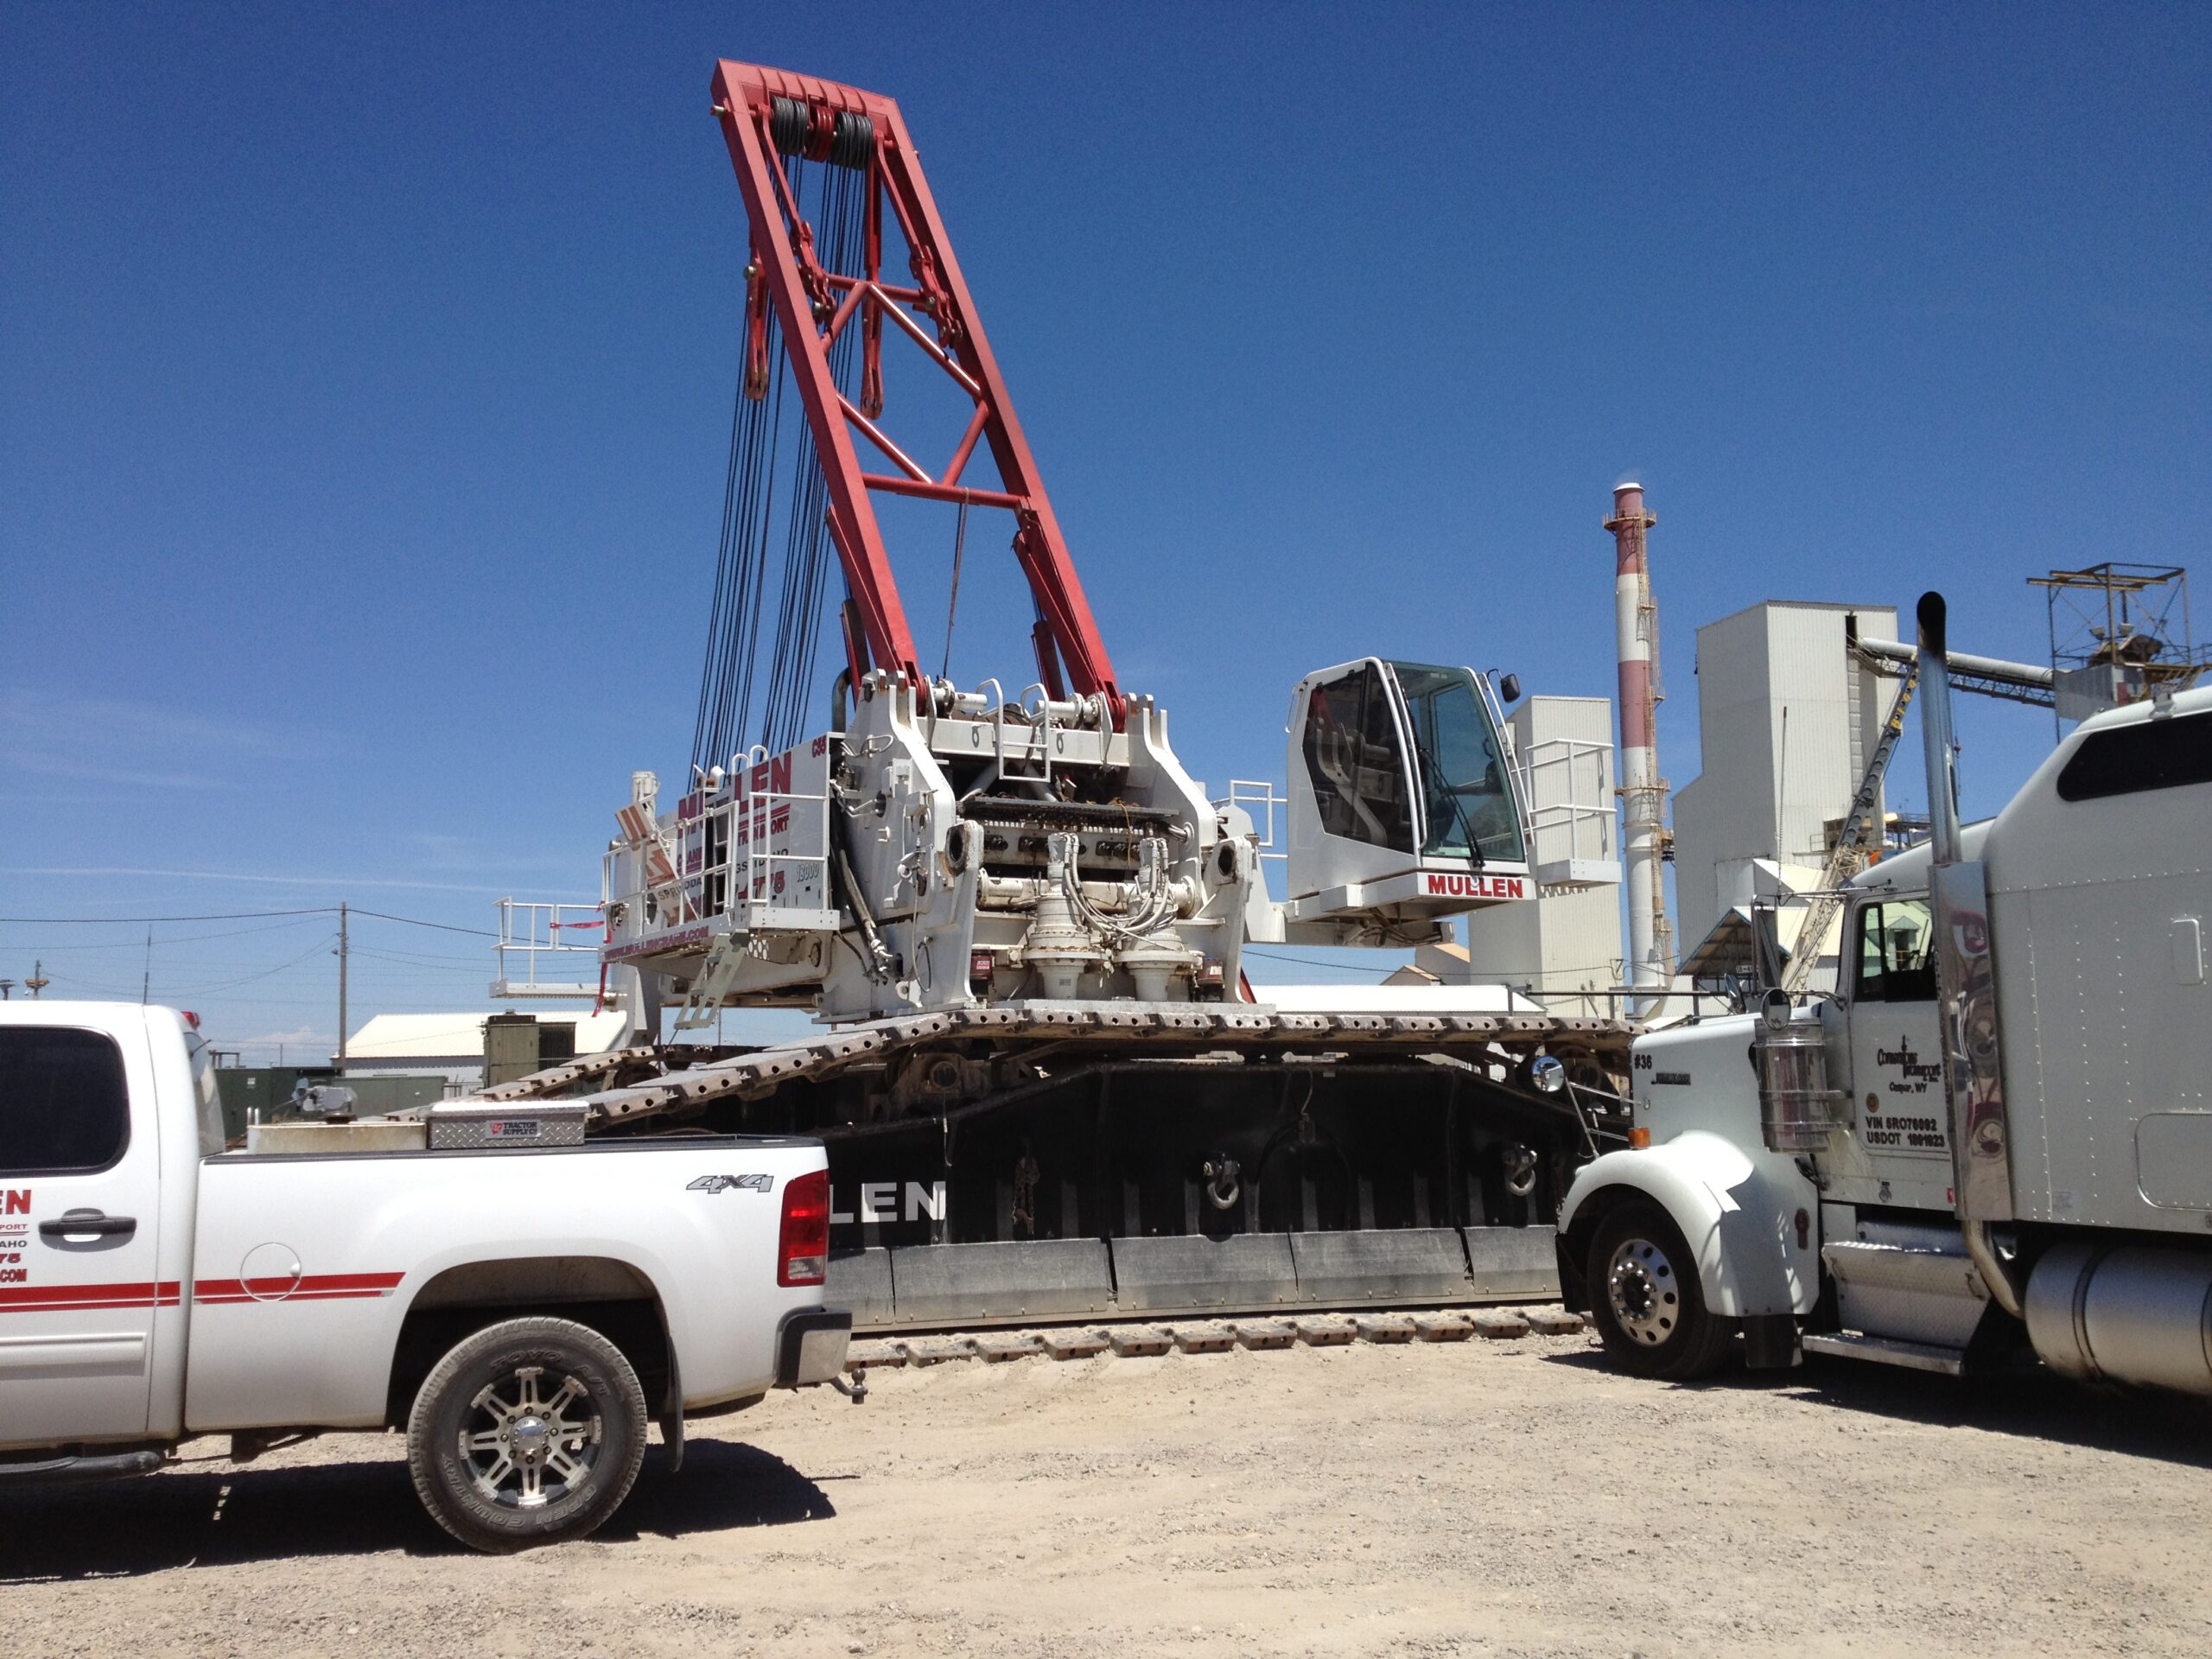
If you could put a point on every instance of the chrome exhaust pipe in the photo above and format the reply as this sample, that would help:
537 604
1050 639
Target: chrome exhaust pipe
1973 1081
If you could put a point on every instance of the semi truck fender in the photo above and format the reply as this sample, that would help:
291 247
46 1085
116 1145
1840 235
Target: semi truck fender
1736 1225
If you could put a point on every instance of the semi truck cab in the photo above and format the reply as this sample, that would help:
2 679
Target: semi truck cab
1993 1137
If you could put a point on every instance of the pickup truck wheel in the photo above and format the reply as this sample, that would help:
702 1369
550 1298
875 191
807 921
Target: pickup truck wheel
527 1433
1646 1299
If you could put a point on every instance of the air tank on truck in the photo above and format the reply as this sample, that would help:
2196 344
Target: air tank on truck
1993 1138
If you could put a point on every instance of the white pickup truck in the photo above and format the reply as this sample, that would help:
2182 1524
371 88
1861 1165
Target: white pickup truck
523 1313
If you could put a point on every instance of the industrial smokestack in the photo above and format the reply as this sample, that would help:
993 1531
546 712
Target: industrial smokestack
1643 793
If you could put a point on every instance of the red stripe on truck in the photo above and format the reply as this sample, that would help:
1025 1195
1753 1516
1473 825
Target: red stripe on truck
54 1299
313 1288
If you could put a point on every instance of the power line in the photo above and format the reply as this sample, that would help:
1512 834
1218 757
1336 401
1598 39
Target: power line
415 921
141 921
134 945
236 916
1360 968
171 990
320 945
1315 962
419 958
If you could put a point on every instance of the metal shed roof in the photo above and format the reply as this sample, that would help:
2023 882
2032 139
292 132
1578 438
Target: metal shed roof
461 1036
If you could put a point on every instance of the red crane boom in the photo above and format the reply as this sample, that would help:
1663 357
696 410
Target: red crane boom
765 114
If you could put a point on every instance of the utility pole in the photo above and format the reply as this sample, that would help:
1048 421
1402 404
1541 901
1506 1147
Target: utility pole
38 981
342 984
146 985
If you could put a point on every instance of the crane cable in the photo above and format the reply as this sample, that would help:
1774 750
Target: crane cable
953 605
840 203
752 690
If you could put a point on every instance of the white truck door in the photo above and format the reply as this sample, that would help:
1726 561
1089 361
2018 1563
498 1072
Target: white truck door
1895 1050
79 1191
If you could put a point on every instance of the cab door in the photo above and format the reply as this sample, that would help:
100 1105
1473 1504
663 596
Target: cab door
1895 1053
1354 801
80 1222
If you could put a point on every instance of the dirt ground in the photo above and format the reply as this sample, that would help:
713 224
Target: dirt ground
1482 1497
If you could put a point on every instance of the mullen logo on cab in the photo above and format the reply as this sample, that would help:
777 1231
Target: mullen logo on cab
1437 885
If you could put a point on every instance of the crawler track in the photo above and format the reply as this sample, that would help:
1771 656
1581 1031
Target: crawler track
673 1081
1040 1161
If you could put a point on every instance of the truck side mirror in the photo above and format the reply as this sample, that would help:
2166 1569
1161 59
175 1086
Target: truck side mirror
1508 689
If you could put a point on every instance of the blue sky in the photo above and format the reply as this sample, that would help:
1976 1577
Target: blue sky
364 378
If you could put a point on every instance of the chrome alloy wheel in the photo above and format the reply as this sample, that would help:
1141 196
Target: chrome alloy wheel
1645 1294
525 1454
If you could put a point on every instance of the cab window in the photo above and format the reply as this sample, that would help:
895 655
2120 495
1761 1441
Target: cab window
2169 753
1895 958
208 1095
1352 755
64 1109
1466 799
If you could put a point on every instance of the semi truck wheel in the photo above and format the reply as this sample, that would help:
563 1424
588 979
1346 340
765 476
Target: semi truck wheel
527 1433
1646 1299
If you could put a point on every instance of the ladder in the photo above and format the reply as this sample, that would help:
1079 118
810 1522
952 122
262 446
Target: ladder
1848 857
713 980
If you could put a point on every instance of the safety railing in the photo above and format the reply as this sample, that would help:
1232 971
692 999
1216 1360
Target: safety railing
775 881
1250 792
532 935
1574 827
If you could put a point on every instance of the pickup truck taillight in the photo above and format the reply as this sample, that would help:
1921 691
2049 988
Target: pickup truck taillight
803 1251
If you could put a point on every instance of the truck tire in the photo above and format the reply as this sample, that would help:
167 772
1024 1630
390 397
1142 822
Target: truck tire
529 1432
1645 1298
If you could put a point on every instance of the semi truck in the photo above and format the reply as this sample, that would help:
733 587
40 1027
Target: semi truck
1993 1138
519 1308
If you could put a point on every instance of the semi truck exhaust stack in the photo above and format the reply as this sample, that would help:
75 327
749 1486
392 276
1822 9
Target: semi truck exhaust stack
1973 1080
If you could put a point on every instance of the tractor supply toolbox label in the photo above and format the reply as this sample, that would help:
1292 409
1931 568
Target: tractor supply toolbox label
1905 1111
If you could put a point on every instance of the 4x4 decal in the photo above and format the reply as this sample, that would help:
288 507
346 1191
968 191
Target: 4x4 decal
723 1183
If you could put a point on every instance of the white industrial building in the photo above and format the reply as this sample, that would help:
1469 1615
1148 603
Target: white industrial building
451 1046
1568 943
1787 718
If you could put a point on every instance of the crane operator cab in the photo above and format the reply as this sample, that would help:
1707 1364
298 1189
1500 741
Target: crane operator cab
1404 803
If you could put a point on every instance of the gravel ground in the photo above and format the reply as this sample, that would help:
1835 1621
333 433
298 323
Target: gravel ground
1479 1497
